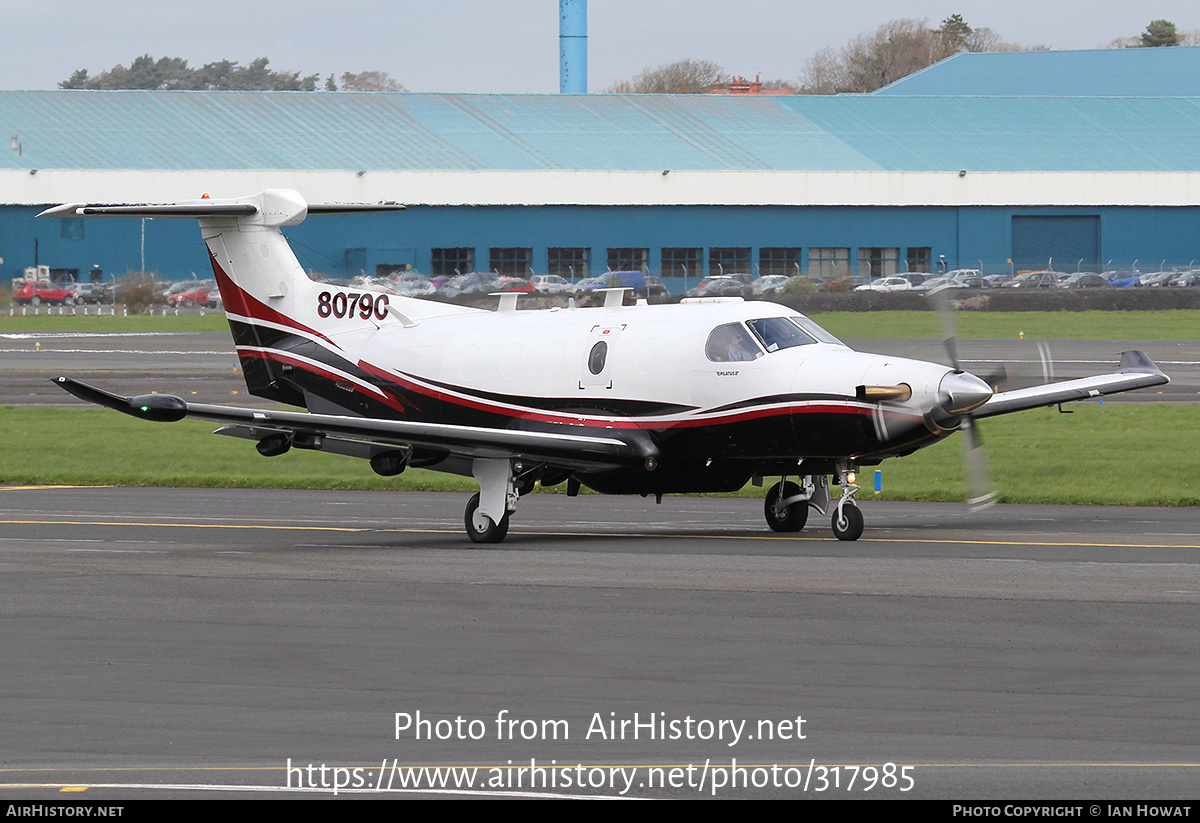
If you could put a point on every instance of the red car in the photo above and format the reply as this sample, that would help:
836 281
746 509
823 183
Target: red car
37 292
192 297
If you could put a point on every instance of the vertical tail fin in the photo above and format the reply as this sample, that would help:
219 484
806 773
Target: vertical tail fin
269 300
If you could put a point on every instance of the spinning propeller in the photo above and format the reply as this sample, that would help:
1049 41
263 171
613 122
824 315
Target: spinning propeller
979 481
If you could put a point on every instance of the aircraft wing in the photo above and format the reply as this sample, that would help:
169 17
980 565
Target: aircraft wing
1136 371
366 437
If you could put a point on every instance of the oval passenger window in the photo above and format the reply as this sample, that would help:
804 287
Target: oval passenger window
597 356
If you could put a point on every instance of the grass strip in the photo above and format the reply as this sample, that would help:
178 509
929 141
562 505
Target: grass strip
1112 454
1083 325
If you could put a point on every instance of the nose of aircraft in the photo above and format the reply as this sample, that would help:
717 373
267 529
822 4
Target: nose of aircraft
960 392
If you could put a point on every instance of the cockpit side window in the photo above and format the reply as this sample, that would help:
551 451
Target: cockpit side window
777 333
731 343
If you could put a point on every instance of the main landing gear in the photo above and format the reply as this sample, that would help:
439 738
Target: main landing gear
501 485
787 504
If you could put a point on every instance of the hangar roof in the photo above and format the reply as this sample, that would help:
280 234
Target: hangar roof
146 130
1160 72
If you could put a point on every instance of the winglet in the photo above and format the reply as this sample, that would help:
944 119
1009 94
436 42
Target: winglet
162 408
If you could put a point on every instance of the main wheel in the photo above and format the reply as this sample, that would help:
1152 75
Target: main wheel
850 526
480 527
785 518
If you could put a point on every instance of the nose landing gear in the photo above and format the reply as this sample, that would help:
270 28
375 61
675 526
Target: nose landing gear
786 505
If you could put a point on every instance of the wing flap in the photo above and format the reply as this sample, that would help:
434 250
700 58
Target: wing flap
1136 371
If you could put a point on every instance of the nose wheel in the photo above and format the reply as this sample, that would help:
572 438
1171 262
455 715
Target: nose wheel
847 521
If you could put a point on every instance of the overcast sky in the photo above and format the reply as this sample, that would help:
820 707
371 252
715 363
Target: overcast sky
491 46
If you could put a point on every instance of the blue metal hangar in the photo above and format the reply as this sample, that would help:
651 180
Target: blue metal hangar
579 184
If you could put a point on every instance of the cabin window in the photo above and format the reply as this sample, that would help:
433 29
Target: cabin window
731 343
597 356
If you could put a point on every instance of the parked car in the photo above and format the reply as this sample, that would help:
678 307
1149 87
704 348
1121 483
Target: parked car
721 287
888 284
770 284
86 292
37 292
1122 279
1158 278
1033 280
187 298
656 289
551 284
1083 280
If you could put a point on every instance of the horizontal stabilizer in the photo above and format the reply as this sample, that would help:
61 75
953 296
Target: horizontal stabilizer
272 207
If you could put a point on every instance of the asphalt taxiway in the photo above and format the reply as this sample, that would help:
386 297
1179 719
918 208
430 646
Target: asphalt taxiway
162 642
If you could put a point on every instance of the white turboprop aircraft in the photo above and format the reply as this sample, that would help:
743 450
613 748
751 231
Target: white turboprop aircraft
697 397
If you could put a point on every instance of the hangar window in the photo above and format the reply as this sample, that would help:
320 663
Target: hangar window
682 262
571 263
628 259
877 262
511 261
452 261
728 261
785 261
730 344
918 258
828 262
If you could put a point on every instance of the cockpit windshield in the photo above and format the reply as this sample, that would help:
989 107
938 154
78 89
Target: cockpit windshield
777 333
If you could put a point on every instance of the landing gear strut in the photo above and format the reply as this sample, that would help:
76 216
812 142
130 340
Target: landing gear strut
787 504
480 527
501 483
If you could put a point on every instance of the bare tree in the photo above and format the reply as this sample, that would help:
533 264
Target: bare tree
825 73
894 50
681 77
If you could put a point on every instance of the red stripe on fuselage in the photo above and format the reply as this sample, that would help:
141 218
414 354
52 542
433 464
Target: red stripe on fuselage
245 304
568 419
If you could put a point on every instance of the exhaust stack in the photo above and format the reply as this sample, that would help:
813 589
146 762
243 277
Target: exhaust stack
572 46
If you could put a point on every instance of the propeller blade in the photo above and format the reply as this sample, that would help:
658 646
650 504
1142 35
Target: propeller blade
941 301
979 481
